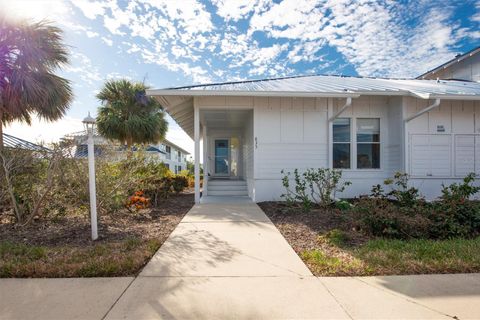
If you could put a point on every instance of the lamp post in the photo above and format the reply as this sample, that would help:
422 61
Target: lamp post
89 123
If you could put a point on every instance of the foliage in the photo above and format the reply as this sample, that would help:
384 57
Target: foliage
455 215
30 54
314 186
137 202
406 196
128 115
382 218
53 184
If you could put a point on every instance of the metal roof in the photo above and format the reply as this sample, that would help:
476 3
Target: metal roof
14 142
332 86
179 103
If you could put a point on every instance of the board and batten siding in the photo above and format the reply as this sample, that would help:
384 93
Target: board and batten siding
444 144
292 133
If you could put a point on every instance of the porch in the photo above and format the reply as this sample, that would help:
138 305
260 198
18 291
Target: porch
227 146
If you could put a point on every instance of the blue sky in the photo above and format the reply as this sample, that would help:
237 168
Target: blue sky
172 43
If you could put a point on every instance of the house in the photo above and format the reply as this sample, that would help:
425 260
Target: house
463 67
369 128
173 156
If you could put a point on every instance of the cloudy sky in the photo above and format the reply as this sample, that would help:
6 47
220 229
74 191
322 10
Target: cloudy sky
179 42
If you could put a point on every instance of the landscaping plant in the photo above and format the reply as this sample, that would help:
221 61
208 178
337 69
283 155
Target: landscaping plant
314 186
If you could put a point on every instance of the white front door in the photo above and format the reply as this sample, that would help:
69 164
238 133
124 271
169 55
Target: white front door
221 158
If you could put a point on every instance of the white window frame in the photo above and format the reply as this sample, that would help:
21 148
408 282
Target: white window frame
353 145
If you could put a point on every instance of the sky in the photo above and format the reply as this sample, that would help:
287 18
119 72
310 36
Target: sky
168 43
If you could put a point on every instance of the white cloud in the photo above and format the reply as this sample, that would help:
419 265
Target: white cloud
91 9
108 41
374 37
237 9
82 67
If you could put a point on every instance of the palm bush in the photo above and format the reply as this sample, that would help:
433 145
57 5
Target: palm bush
128 115
29 56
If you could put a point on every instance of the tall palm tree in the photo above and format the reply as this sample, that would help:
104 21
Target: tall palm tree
128 115
29 55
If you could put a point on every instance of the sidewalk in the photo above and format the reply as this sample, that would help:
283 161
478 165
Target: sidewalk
228 261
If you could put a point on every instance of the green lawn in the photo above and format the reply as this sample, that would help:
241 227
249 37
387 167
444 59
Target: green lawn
119 258
388 257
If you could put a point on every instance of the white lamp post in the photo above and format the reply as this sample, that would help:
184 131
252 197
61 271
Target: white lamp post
89 123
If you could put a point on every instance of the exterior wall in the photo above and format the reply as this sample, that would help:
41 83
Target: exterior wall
289 134
294 134
467 69
444 144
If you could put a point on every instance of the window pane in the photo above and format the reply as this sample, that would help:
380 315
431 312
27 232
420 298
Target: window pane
341 130
368 130
368 156
341 155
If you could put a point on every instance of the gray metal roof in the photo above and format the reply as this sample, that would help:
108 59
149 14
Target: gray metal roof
333 86
179 103
14 142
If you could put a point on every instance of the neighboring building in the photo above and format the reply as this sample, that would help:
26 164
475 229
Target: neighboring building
370 128
462 67
174 157
14 142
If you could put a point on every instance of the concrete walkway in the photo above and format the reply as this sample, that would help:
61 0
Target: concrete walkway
228 261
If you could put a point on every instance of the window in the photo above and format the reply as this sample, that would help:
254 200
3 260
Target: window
368 143
341 143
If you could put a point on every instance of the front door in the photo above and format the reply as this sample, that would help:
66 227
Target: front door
222 163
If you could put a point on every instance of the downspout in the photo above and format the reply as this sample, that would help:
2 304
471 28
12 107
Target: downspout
347 104
405 130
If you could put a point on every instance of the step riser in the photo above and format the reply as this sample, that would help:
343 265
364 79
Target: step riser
227 188
227 183
227 193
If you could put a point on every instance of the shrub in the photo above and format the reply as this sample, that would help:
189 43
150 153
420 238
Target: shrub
179 183
314 186
405 196
455 215
382 218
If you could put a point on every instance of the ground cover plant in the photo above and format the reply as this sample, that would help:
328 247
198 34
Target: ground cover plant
393 230
44 215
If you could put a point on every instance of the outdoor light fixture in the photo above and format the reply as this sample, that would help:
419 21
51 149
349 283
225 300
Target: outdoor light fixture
89 124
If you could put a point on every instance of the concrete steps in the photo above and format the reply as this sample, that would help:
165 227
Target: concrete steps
227 188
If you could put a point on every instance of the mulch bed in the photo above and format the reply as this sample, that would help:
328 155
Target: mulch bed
301 229
154 223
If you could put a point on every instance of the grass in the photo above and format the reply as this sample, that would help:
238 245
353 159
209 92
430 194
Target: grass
388 257
120 258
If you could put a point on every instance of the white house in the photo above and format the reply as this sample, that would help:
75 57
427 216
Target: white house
370 128
173 156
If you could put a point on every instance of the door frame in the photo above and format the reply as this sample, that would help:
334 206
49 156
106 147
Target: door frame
214 174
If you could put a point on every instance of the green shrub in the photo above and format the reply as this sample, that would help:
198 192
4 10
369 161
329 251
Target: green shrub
455 215
179 183
314 186
405 196
382 218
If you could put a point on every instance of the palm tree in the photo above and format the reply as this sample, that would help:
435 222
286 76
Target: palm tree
29 55
128 115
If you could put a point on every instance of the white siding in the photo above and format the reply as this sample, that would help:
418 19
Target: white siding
248 155
430 155
291 133
464 155
442 143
